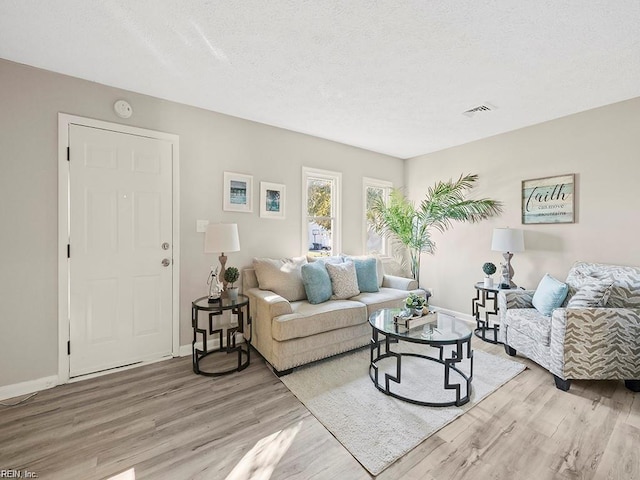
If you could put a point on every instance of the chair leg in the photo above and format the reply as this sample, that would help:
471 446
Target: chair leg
633 385
510 351
562 384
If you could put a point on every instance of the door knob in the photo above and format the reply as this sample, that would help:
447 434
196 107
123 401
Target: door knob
166 262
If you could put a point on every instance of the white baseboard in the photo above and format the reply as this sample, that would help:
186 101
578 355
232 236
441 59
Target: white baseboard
459 315
25 388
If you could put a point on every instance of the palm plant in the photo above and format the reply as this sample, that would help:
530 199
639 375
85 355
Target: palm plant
401 221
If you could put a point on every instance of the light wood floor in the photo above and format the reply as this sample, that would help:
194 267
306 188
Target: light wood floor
167 423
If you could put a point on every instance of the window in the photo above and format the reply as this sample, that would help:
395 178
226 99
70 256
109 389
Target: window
321 222
374 189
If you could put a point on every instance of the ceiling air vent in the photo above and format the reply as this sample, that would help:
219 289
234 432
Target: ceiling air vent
485 107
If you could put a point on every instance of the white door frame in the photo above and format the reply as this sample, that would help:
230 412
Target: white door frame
64 121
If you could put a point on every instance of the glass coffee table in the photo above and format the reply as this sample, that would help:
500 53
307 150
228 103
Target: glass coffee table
438 340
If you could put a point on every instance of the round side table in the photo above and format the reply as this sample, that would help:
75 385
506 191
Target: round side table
240 307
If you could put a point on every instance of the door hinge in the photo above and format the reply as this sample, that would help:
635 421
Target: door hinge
69 347
68 250
68 154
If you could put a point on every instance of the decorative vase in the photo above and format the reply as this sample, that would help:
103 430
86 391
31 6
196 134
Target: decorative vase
418 311
488 282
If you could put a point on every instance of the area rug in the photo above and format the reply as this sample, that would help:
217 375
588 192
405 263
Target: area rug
378 429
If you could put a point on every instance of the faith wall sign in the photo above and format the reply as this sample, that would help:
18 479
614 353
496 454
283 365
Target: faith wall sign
548 200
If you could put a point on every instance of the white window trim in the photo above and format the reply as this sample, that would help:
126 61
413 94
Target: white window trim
376 183
336 206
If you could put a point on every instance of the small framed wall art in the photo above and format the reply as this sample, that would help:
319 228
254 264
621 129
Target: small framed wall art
238 192
549 200
272 200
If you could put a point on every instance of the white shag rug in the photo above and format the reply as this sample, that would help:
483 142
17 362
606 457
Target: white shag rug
377 429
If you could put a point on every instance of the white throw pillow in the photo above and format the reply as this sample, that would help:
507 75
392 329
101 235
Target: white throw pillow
344 281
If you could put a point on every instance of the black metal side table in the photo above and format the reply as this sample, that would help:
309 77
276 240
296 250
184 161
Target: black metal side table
487 324
239 307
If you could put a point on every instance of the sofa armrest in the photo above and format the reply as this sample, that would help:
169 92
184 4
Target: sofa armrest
399 283
596 343
267 301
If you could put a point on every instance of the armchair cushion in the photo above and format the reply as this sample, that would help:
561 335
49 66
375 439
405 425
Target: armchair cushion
530 323
549 295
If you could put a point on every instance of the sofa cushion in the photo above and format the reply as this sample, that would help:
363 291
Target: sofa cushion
344 281
531 323
282 276
384 298
588 292
308 319
549 295
317 283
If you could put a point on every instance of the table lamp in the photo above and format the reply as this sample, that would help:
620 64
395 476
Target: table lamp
221 238
507 241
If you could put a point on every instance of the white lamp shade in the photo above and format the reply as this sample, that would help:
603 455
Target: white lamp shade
507 240
221 237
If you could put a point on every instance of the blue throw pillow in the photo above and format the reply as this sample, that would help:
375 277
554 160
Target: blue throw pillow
367 273
317 283
549 295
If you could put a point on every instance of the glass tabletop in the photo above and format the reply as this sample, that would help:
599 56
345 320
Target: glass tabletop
435 328
223 303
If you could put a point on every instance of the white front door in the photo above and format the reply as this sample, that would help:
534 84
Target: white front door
120 292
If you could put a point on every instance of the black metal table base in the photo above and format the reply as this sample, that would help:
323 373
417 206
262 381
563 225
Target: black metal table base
483 329
486 330
226 346
244 354
449 365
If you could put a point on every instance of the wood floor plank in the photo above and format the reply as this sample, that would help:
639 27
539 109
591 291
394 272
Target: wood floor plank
168 423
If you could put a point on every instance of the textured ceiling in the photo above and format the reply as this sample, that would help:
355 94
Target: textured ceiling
389 76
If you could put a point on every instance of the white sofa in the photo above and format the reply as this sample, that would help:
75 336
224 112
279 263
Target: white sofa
293 333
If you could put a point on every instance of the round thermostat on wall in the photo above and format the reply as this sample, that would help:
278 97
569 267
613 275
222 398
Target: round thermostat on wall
123 109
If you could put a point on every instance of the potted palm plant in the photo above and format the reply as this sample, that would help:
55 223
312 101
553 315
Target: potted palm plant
231 275
410 226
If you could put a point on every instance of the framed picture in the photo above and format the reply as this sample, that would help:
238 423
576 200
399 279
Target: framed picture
272 200
238 192
548 200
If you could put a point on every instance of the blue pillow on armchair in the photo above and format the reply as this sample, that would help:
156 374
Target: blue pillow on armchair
549 295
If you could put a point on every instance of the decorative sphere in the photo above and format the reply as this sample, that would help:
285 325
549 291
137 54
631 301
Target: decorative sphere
489 268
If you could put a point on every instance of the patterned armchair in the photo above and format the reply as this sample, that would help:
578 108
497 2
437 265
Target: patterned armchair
596 343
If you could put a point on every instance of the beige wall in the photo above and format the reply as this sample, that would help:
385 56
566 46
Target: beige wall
210 144
601 146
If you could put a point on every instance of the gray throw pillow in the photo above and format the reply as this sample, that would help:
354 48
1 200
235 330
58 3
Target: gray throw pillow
282 276
590 292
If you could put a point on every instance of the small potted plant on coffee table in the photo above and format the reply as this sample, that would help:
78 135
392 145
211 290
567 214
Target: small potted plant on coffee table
488 269
415 304
231 275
